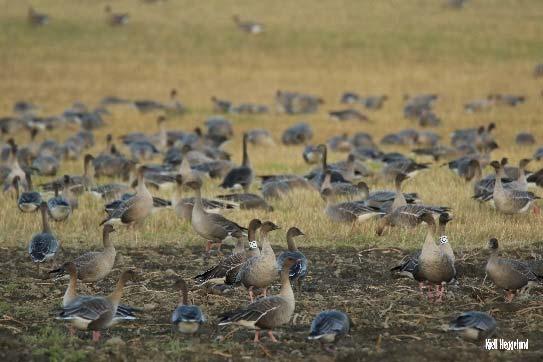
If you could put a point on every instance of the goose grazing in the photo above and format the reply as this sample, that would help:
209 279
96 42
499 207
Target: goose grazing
316 177
328 326
473 325
249 27
124 312
247 201
37 19
228 268
268 312
510 201
136 208
409 266
116 19
45 245
510 275
345 189
214 228
347 114
29 200
436 266
186 318
298 271
95 312
240 177
260 271
349 211
95 265
58 207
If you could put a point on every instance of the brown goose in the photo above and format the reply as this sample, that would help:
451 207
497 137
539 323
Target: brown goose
345 189
95 265
510 201
228 268
214 228
349 211
435 263
268 312
259 271
508 274
95 312
240 177
136 208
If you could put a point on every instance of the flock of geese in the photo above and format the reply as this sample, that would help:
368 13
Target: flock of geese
192 158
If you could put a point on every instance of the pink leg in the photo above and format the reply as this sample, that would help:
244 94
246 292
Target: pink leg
272 337
430 294
71 330
257 336
265 292
251 295
208 246
421 288
441 290
95 336
509 295
536 210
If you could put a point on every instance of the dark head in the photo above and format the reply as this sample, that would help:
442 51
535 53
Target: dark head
289 262
109 138
491 146
293 232
491 127
504 161
524 162
428 218
254 225
493 244
401 177
179 180
66 179
88 158
108 229
160 120
495 165
70 268
444 218
43 205
268 226
127 275
351 158
173 93
195 185
326 193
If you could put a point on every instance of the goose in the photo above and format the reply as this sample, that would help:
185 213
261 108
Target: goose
473 325
525 139
347 115
349 98
213 227
116 19
249 27
409 265
508 274
136 208
186 318
58 207
29 200
77 183
268 312
260 137
221 105
227 269
347 212
247 201
436 266
408 167
328 326
312 154
46 165
279 188
15 170
409 216
511 201
316 177
68 194
240 177
345 189
484 187
383 199
298 271
124 312
43 246
183 206
174 107
93 266
299 133
260 271
95 312
159 204
37 19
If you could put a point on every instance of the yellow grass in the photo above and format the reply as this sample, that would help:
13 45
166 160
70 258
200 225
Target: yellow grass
325 48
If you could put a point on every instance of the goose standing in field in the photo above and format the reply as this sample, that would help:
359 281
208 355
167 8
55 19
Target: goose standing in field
260 271
436 266
214 228
510 201
45 245
349 211
298 271
316 177
58 207
37 19
328 326
116 19
186 318
95 312
136 208
77 183
94 266
29 200
268 312
473 325
124 312
68 194
510 275
227 269
240 177
15 170
249 27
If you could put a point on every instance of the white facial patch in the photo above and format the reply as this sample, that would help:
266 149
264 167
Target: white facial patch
443 239
253 245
